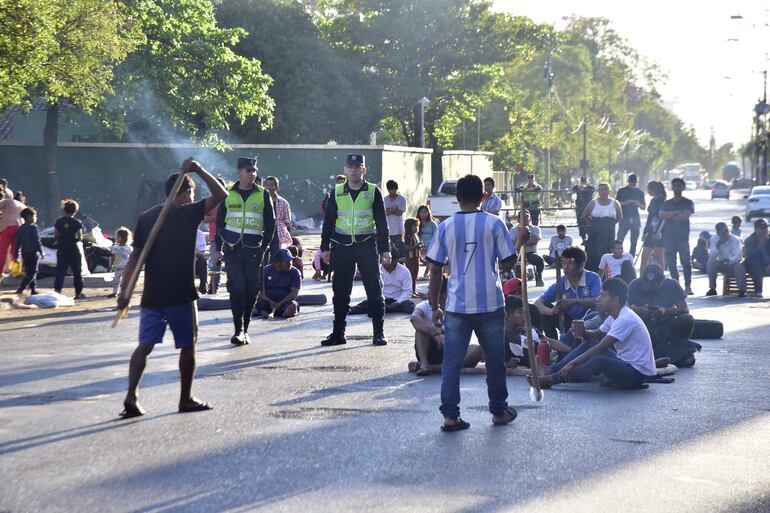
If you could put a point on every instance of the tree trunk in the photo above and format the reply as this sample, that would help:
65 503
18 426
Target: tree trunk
50 142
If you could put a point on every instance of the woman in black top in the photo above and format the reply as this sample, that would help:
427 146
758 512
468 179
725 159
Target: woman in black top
652 247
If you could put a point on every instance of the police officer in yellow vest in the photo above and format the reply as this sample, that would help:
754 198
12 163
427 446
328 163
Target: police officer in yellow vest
355 232
531 192
245 226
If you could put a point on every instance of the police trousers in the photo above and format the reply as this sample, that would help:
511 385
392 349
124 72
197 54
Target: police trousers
344 262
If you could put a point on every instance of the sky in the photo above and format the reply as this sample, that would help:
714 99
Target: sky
711 80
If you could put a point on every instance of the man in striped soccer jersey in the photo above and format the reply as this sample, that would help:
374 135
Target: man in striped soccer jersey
473 243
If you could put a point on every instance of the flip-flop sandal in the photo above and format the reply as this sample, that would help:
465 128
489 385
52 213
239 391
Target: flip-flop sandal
196 407
423 371
509 411
459 426
131 410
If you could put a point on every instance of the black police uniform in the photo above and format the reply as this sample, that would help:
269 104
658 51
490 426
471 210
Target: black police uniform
361 250
243 263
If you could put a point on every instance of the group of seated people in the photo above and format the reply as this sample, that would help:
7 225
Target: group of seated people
618 330
726 253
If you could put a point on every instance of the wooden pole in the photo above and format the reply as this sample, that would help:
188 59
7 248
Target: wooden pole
128 290
535 393
559 293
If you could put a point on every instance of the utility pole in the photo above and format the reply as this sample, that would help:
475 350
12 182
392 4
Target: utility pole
478 128
584 162
549 81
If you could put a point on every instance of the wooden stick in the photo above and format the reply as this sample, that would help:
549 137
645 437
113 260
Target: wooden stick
536 394
559 293
128 290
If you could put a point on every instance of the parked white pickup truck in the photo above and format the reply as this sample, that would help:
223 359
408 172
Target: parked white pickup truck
444 203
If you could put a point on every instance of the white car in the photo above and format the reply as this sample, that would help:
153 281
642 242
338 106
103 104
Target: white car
758 204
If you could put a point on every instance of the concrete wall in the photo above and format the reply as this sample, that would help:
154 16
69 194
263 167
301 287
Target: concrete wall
457 163
411 169
115 182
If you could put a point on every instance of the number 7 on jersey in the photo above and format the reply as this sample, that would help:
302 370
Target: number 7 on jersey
470 252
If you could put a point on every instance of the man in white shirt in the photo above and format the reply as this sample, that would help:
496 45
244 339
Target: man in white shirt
491 202
429 339
396 287
725 257
395 206
617 264
531 247
559 243
631 363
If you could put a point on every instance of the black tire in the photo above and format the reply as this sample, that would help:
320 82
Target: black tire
311 299
706 329
214 302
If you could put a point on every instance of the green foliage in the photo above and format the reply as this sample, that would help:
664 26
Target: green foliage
450 51
187 73
62 50
320 95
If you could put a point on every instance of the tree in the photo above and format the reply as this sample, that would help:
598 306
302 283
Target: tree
26 43
187 74
449 51
69 50
319 94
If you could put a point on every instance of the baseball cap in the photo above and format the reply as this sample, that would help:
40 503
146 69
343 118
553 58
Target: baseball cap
355 159
247 163
511 286
283 255
760 223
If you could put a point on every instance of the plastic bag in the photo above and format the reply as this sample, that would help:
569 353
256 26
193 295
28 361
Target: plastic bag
17 270
50 300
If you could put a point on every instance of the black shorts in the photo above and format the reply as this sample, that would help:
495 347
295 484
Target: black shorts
649 243
435 353
262 306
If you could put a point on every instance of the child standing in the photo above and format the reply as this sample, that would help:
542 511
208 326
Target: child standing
428 227
28 246
121 251
69 231
296 261
412 246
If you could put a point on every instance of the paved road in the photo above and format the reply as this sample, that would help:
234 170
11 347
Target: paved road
298 427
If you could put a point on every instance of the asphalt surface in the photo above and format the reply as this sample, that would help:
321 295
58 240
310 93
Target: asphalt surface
298 427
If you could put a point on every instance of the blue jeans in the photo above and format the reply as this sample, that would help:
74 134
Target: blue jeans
490 330
621 374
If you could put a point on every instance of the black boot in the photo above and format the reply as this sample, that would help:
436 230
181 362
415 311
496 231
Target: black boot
379 335
237 338
337 336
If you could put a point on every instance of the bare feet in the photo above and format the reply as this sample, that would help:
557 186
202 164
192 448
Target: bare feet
662 363
413 366
545 380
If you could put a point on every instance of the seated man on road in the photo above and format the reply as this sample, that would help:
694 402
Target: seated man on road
661 303
579 287
516 349
628 366
531 247
725 257
756 252
617 264
429 339
559 243
396 287
280 288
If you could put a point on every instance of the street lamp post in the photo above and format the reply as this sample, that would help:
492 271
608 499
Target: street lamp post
423 103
